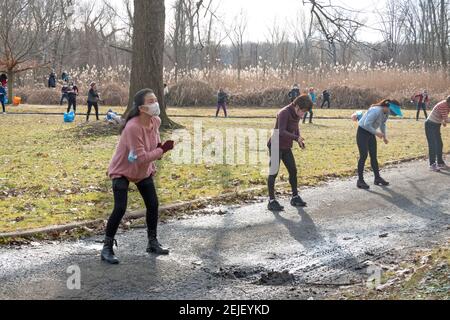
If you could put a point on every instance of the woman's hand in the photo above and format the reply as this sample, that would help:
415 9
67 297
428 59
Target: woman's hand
301 143
167 146
380 135
386 141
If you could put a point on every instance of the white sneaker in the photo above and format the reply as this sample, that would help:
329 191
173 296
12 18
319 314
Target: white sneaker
434 167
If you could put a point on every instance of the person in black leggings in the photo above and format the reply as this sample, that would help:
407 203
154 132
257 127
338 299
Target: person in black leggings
134 161
93 99
287 132
366 138
72 94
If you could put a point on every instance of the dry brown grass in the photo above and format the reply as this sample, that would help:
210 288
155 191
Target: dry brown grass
352 86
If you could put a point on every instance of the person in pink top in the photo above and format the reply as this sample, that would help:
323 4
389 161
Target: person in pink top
134 161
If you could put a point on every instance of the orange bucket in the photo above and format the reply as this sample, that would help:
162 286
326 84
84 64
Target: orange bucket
17 101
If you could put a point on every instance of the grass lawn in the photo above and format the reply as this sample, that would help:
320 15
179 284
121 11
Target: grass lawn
200 111
50 174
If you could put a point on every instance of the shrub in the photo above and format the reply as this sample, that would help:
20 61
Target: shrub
191 93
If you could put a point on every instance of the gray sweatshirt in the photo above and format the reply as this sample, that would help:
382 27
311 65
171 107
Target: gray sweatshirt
374 119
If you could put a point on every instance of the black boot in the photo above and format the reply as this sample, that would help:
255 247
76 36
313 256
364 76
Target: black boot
108 252
381 182
154 246
362 185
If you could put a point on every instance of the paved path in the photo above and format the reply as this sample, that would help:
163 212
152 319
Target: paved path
229 255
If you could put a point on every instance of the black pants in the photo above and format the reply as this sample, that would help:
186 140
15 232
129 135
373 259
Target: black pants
367 144
2 101
64 97
311 115
148 192
289 161
326 101
421 106
435 144
72 103
90 105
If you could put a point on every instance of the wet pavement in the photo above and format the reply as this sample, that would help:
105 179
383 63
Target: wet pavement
248 252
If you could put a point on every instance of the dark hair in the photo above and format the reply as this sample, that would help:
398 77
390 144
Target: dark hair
386 102
448 100
138 101
304 102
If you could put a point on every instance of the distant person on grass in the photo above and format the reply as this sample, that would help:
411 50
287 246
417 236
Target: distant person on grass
93 100
422 99
3 98
52 80
65 76
437 119
222 98
294 93
371 126
313 97
326 98
287 131
72 93
134 161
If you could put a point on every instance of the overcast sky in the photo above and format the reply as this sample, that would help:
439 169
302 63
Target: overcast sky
262 13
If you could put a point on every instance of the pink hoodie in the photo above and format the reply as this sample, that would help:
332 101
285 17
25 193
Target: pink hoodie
143 142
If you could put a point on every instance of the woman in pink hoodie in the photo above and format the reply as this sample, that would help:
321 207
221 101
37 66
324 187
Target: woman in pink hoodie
134 161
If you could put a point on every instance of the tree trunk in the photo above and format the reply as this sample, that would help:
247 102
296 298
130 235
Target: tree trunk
11 80
148 53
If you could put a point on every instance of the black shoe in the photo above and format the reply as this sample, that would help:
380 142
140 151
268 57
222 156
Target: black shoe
381 182
108 252
363 185
298 202
275 206
154 246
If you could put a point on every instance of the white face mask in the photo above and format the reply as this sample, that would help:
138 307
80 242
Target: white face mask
152 110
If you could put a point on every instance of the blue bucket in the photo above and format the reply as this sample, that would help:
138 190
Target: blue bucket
69 117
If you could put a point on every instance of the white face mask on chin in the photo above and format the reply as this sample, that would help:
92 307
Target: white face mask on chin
152 110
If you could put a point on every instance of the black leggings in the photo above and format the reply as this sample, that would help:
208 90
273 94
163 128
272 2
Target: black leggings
367 144
289 161
148 192
421 106
72 103
311 115
90 105
435 144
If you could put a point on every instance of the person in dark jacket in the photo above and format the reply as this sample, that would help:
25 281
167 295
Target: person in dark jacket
52 80
3 97
222 98
326 98
93 99
287 131
294 93
72 93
